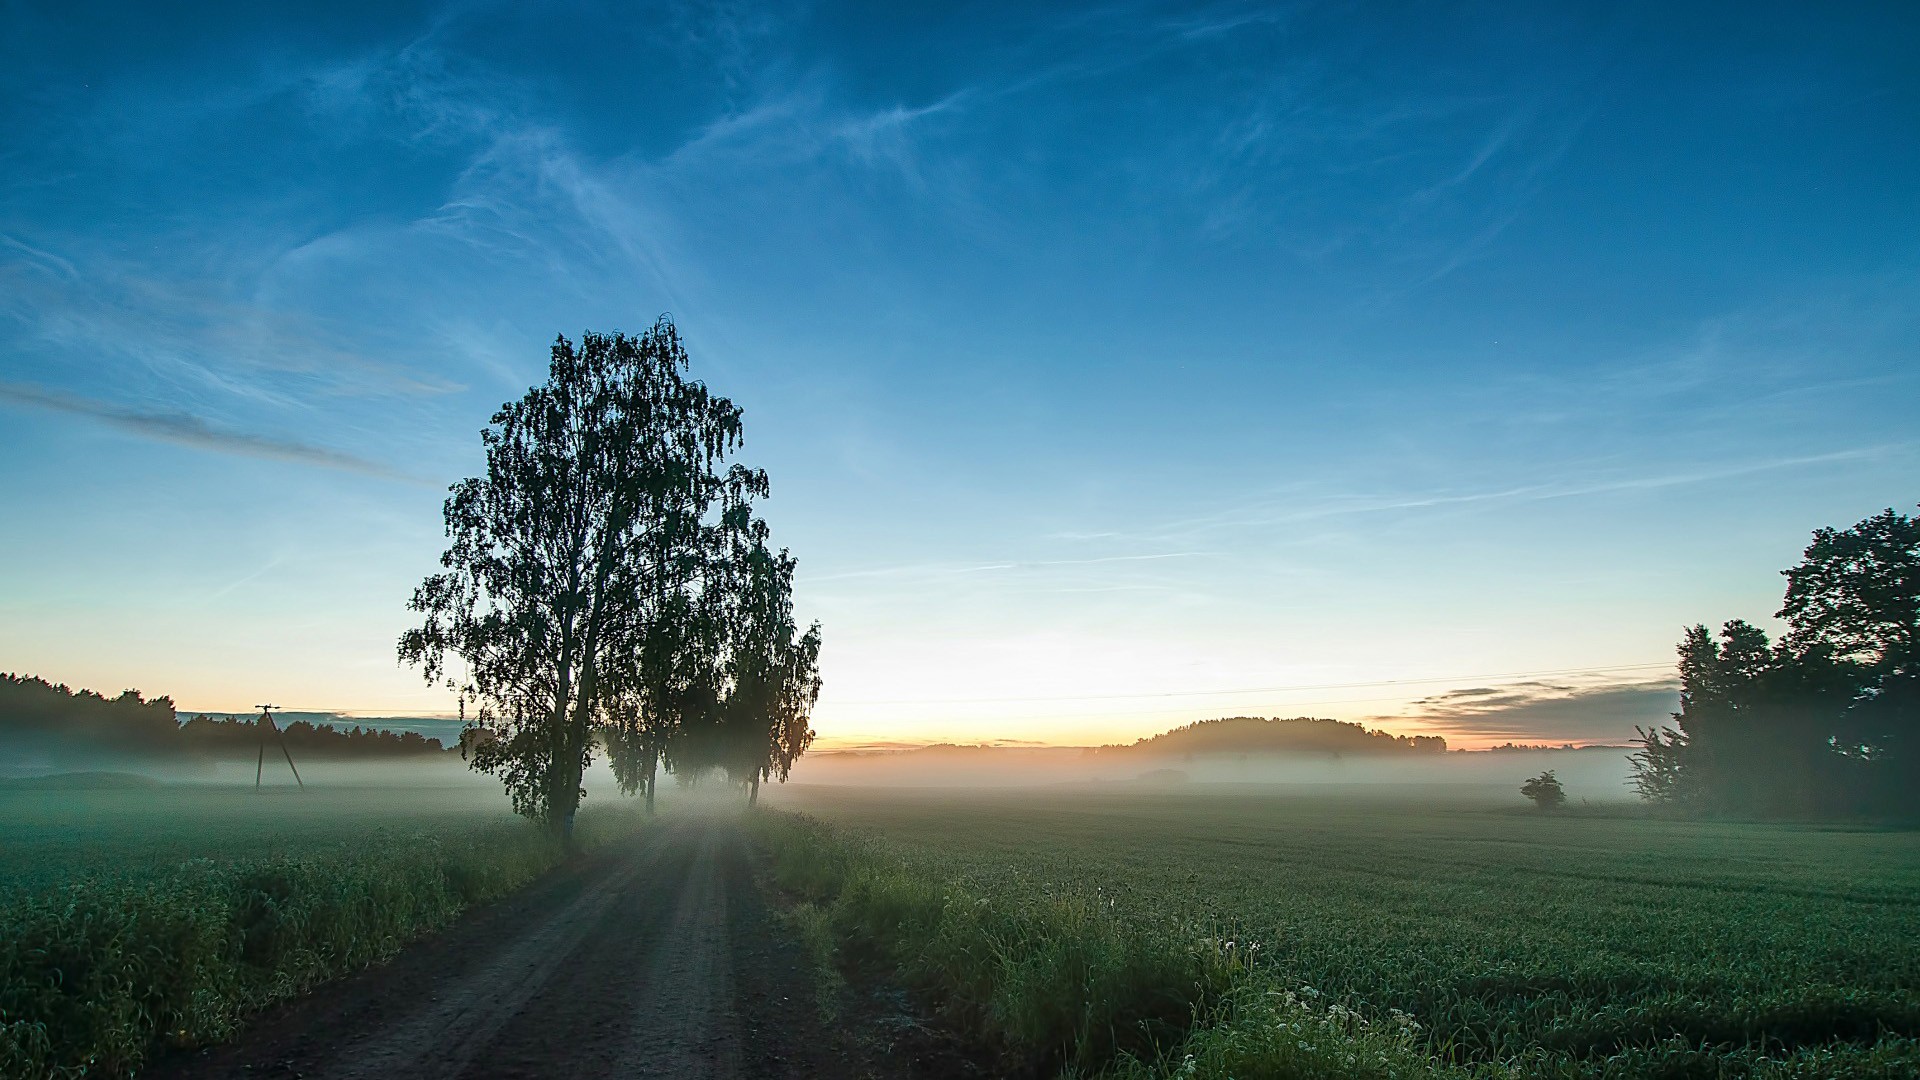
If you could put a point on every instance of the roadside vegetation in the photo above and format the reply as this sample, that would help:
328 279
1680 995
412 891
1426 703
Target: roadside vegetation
134 920
1249 934
608 589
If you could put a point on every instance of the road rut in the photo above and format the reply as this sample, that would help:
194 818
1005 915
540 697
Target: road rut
655 958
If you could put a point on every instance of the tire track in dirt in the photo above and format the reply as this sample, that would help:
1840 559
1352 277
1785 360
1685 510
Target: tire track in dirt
686 1022
441 1036
656 958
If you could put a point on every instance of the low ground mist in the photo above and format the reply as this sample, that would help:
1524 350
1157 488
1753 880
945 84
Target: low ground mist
1595 775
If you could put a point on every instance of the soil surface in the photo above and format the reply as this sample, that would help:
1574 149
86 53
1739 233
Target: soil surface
657 957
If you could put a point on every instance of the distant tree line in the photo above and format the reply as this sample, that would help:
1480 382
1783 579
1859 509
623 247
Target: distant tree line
1823 721
1291 735
239 736
608 587
65 726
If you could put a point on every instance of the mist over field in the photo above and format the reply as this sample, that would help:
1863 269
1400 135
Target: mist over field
1597 774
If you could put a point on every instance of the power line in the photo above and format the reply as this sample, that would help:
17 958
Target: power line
1273 689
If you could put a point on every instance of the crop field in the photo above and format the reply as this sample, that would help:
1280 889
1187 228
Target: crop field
56 836
1239 931
137 917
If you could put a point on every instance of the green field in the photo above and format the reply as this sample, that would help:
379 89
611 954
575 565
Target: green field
1582 944
57 835
137 917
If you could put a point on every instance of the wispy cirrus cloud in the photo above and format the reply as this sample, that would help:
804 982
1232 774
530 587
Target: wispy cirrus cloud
187 430
1306 505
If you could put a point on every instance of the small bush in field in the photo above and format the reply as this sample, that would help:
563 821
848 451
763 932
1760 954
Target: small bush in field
1545 791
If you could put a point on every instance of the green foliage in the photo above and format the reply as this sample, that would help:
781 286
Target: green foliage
104 959
602 579
1856 593
1545 791
1051 977
1383 940
36 715
1825 721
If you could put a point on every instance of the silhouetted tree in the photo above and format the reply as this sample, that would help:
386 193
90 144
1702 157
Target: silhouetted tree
1659 766
745 693
1825 720
676 690
1856 593
1853 605
773 673
599 495
47 721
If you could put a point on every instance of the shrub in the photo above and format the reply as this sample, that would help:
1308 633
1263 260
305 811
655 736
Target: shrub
1057 980
1545 791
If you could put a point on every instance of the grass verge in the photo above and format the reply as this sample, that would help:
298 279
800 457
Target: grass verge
97 974
1048 980
1056 982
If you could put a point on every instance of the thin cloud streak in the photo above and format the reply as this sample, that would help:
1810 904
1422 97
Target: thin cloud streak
1361 506
183 429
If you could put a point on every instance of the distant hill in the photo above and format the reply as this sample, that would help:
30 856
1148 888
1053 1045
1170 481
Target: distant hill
78 781
1291 735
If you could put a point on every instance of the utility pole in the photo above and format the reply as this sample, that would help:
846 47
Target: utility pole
266 724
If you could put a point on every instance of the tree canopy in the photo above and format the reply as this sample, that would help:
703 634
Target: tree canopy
586 587
1827 718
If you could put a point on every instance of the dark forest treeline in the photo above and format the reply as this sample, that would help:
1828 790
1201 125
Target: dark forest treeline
1823 721
50 721
1290 735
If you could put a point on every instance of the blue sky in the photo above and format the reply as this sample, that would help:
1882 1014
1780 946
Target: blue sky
1104 359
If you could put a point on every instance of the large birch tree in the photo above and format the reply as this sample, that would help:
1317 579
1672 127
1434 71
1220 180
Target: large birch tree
585 545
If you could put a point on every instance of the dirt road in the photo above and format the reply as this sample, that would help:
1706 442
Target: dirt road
657 959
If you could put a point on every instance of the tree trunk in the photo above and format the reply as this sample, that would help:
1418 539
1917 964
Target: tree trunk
570 797
753 791
648 779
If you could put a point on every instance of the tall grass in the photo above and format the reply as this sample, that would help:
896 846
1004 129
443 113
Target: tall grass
98 973
1048 981
1056 980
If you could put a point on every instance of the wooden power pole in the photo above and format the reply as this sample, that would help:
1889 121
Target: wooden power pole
266 724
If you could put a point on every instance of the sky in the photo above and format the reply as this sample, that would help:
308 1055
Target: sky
1115 366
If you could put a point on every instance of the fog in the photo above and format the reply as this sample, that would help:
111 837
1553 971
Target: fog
1593 775
1596 774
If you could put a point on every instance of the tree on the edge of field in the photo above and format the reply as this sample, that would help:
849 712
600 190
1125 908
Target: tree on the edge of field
748 718
1659 770
1545 791
675 688
1857 593
600 494
773 671
1826 719
1854 599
